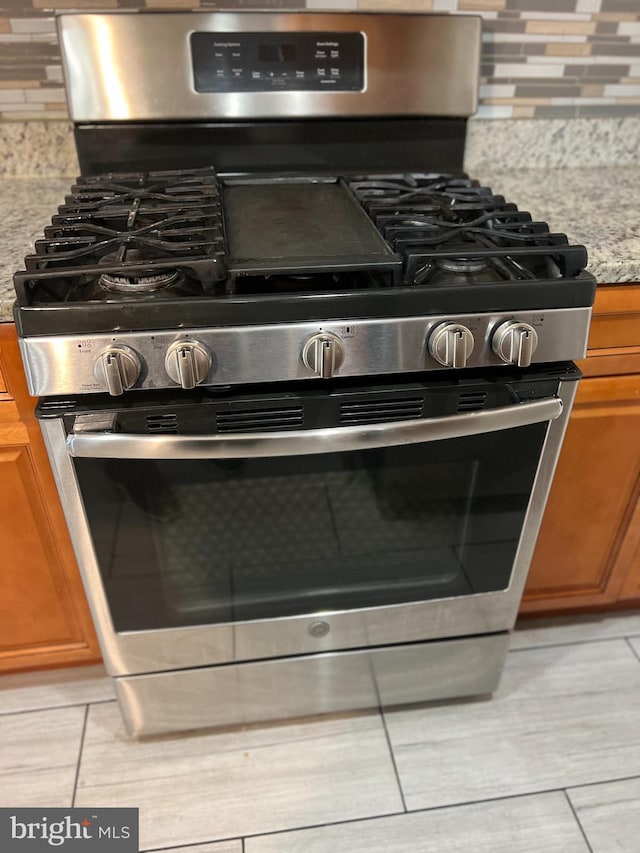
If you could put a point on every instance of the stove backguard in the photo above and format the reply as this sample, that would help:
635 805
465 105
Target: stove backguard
303 92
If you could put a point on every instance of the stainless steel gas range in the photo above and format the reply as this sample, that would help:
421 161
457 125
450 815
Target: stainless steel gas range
302 381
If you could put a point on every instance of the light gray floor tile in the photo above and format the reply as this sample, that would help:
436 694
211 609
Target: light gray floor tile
563 716
227 784
635 645
38 757
54 688
216 847
574 629
543 822
610 815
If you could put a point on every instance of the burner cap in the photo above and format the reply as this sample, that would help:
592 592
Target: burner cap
462 265
128 280
138 283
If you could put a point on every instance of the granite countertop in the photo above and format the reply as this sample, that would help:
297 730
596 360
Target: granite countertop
593 206
26 206
597 207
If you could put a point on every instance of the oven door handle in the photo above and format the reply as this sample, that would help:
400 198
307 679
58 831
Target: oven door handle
302 442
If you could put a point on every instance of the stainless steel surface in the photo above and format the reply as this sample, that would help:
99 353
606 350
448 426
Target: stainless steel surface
117 369
323 354
187 363
94 421
301 442
515 343
451 344
128 67
294 687
63 364
156 650
539 494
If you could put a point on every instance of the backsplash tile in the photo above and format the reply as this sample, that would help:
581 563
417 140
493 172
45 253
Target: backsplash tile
540 58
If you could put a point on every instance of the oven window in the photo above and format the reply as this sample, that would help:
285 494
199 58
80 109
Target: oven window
200 542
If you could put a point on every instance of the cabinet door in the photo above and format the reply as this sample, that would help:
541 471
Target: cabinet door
34 597
44 618
588 533
630 556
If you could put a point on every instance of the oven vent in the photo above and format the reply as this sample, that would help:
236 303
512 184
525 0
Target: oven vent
260 420
162 423
378 411
49 407
471 401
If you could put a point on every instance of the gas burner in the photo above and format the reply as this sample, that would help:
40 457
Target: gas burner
461 272
128 275
462 265
139 283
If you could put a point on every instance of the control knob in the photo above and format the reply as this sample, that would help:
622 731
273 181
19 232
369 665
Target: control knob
515 342
451 344
323 354
117 369
187 363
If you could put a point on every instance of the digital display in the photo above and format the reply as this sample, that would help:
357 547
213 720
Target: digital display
277 53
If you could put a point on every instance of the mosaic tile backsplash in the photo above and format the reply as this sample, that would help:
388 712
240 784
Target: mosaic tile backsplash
540 58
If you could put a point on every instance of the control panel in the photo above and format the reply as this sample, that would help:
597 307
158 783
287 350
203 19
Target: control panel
231 355
275 61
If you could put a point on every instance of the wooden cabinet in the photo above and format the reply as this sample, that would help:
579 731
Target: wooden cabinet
588 551
44 618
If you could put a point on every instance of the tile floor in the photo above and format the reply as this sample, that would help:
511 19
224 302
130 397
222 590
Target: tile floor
551 763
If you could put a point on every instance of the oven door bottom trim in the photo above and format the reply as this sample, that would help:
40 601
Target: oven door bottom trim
300 686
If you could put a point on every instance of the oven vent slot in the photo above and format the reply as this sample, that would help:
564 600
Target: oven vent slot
54 406
162 423
260 420
377 411
472 401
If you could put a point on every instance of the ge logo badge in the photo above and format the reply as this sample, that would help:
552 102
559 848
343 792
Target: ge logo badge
79 830
319 629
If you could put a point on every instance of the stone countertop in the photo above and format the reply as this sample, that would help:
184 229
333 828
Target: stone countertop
26 206
596 207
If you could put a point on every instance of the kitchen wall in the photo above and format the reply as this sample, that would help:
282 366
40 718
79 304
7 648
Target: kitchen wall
540 58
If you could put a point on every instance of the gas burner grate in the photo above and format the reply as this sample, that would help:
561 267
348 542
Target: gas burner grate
130 236
155 189
452 232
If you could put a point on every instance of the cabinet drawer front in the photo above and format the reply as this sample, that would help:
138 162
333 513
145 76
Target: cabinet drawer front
616 317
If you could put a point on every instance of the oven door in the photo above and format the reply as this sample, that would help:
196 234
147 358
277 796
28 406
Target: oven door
207 549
